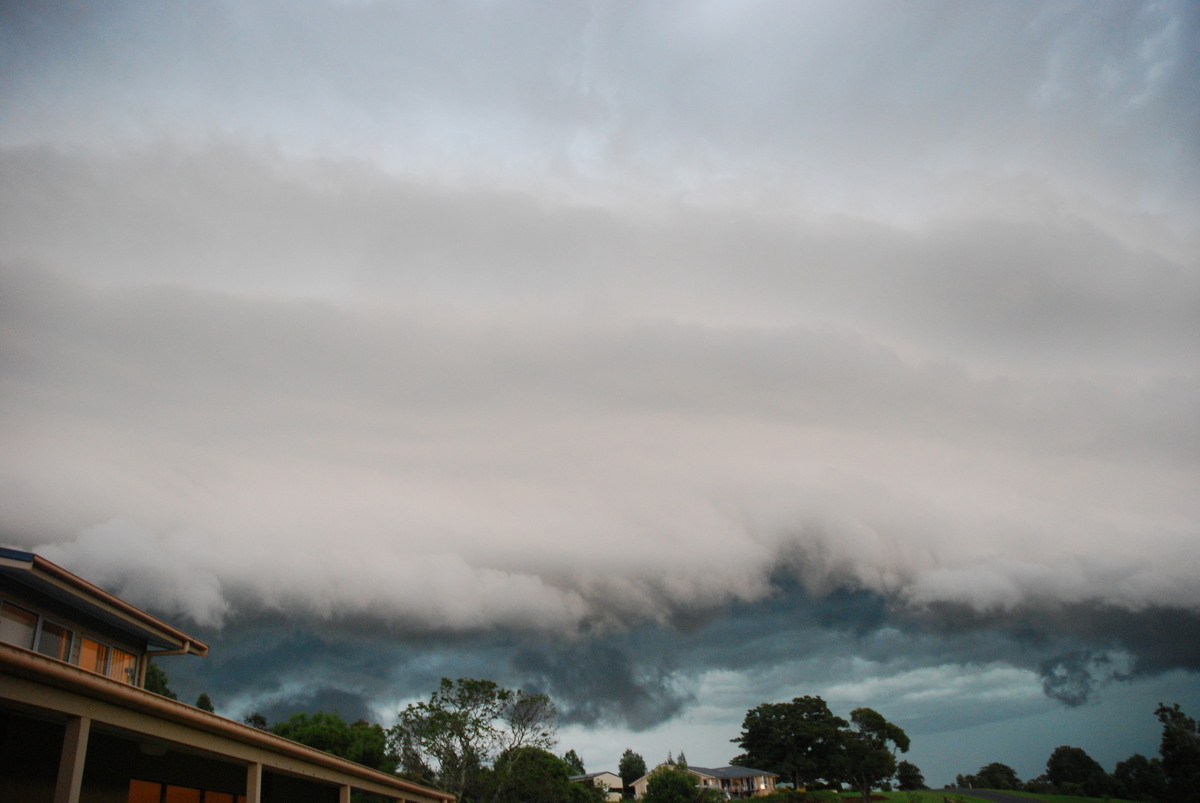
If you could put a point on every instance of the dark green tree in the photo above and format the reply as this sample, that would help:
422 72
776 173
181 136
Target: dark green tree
156 681
465 725
799 740
203 703
1139 778
909 777
574 762
534 775
1180 751
996 776
256 720
869 750
632 767
670 784
361 742
1073 772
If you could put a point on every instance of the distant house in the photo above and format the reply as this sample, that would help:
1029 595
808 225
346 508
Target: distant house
77 726
608 781
735 782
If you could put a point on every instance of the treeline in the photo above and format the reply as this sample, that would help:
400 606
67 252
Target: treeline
487 744
1171 777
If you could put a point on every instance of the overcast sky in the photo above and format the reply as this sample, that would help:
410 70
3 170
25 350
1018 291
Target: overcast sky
668 357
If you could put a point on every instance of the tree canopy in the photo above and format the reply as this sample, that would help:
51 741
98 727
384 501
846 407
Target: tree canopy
533 775
992 776
465 725
574 762
1072 771
1180 751
361 742
156 681
909 777
1139 778
670 783
870 747
632 767
799 740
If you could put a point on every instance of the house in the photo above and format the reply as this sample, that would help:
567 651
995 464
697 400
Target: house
609 782
734 782
76 726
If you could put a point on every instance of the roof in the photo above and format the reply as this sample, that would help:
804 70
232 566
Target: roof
54 581
732 772
718 772
588 776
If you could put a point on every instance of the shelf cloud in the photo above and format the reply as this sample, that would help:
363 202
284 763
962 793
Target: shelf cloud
592 345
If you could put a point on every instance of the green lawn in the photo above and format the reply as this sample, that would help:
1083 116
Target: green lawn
1068 798
934 796
927 796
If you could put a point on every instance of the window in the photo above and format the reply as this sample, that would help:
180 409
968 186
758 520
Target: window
17 625
102 659
55 641
182 794
152 792
144 792
93 656
122 666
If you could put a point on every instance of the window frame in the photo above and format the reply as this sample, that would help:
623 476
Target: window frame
37 642
110 652
76 636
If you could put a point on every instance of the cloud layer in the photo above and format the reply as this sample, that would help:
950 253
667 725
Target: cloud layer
616 348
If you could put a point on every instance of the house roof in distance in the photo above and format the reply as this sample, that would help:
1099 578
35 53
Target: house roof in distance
731 772
56 582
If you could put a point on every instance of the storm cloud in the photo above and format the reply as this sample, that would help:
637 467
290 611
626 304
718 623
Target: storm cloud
669 358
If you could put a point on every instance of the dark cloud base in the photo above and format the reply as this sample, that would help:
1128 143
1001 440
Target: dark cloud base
645 676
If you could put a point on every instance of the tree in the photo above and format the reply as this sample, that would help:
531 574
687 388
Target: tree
362 742
799 740
909 777
681 761
533 775
574 762
156 681
632 767
1072 771
996 776
256 720
670 783
203 703
869 750
1180 751
464 726
1139 778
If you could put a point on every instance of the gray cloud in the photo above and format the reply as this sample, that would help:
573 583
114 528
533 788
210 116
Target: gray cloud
670 359
599 684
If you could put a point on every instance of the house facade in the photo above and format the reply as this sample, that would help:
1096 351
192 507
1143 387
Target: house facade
77 726
734 782
609 782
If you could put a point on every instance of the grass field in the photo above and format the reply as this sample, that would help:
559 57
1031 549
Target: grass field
936 796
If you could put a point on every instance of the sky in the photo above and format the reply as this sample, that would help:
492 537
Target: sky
665 357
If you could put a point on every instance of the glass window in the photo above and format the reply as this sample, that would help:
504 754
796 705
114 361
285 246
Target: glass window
122 666
55 641
218 797
17 625
144 792
93 656
182 794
